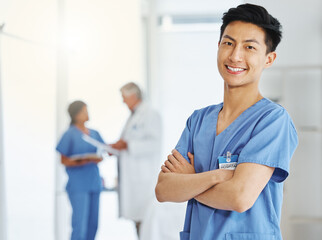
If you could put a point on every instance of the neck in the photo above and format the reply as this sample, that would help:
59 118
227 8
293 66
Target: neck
237 100
81 126
135 105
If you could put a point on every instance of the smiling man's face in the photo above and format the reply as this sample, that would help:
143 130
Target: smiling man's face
242 54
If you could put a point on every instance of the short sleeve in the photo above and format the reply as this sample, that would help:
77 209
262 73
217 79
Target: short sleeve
65 143
184 144
273 142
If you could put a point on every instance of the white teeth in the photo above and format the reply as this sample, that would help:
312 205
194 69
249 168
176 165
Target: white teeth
235 69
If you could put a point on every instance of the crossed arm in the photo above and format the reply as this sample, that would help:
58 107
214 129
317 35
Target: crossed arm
222 189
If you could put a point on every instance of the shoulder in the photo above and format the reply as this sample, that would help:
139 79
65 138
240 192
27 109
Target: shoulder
269 106
69 132
66 139
147 110
272 111
94 133
274 118
144 107
203 116
209 111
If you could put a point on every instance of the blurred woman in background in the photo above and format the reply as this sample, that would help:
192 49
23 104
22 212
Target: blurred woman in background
84 182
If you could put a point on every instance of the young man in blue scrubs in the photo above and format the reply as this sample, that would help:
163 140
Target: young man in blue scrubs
232 158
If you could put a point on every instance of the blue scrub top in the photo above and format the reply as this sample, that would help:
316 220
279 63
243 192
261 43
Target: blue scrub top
85 178
263 134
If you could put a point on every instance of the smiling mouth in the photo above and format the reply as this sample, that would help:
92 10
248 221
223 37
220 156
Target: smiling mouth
235 69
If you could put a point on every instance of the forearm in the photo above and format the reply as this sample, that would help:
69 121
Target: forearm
222 196
76 163
96 160
176 187
73 163
240 192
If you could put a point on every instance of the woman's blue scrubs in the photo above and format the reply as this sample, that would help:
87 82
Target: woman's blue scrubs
263 134
84 184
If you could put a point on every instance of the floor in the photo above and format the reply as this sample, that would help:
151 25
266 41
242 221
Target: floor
112 227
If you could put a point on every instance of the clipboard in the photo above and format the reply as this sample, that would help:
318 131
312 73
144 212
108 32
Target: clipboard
85 156
101 147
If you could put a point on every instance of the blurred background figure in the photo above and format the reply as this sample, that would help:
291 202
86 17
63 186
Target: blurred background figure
84 182
140 146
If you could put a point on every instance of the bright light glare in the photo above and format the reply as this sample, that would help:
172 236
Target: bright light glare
75 40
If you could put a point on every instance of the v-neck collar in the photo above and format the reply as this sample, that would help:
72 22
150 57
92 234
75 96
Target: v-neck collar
237 119
79 130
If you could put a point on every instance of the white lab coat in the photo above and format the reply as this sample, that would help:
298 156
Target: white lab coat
140 163
163 221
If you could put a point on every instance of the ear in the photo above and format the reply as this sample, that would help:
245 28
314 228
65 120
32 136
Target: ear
270 58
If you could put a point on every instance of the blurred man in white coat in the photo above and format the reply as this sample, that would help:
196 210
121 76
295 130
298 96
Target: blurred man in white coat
139 159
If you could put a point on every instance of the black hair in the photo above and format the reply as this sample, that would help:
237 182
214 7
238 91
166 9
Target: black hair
259 16
74 108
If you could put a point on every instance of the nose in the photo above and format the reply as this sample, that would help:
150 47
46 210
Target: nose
236 54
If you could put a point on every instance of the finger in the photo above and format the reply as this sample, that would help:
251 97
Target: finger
169 165
165 169
192 158
173 160
179 157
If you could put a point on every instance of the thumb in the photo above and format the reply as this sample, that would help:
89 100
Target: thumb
192 158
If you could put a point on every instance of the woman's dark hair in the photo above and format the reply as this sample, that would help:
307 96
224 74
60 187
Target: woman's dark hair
74 108
259 16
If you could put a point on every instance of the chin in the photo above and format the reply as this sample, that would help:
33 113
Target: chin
233 81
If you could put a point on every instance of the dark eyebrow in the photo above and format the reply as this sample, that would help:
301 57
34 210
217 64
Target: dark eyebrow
229 37
247 41
252 40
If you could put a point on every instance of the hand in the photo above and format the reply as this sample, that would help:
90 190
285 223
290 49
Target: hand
119 145
95 160
224 175
81 162
178 164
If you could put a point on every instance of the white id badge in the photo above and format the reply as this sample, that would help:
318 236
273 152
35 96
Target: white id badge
228 162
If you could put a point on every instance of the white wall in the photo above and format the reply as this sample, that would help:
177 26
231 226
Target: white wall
28 88
105 54
3 214
194 6
3 226
301 21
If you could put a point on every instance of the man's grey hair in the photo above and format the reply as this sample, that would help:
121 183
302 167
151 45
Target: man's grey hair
131 88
